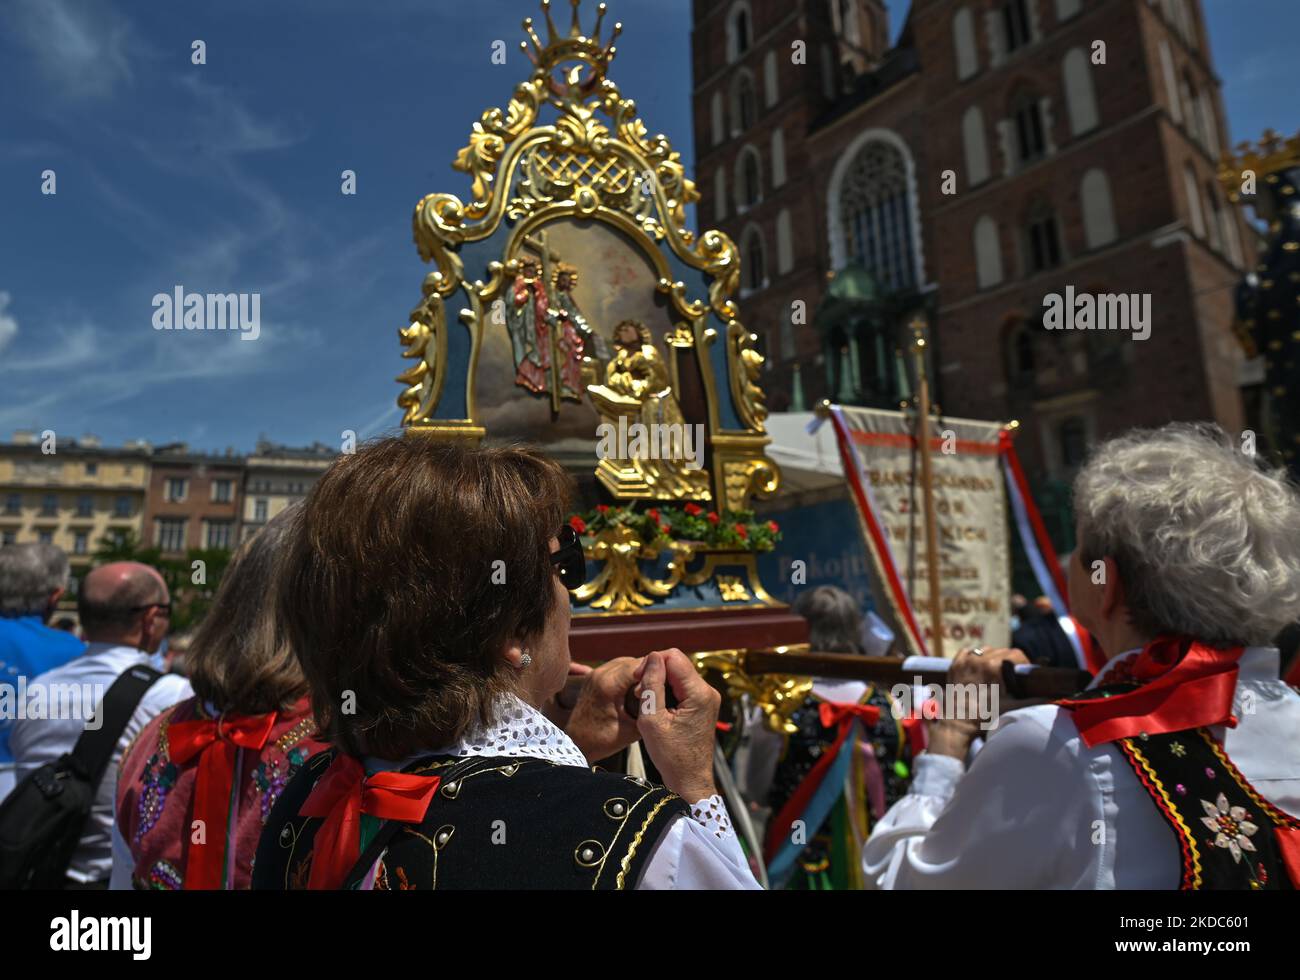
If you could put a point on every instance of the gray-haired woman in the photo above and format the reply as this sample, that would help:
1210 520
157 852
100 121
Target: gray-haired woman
1179 767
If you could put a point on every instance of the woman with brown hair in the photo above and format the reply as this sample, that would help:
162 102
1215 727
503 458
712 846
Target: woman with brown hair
426 592
196 786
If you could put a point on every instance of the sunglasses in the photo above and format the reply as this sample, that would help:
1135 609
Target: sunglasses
569 561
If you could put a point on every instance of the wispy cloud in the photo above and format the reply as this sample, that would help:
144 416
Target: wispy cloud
85 50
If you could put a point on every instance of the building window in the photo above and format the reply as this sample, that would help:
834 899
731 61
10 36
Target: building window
784 243
174 491
221 491
1065 9
1193 201
122 507
45 537
79 543
1042 240
988 253
1028 115
85 505
1015 24
259 510
778 157
13 503
719 194
744 107
716 113
1190 101
770 93
1098 209
49 505
1080 97
977 153
876 215
749 179
1213 218
8 537
92 469
219 534
740 37
171 533
963 39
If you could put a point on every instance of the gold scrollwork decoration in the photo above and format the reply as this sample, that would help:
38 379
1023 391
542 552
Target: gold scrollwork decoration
777 695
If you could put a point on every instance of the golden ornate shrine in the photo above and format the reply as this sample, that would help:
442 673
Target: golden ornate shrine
574 207
593 163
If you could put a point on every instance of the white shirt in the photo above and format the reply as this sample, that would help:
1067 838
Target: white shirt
1039 809
35 742
696 852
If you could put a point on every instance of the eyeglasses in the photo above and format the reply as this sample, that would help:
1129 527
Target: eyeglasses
569 561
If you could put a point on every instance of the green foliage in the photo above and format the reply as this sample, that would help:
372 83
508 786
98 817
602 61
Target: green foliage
736 530
190 600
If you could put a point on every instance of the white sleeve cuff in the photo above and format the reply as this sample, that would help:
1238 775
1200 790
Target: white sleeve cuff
936 775
711 814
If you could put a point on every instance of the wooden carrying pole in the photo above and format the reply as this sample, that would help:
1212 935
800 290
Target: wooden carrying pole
927 486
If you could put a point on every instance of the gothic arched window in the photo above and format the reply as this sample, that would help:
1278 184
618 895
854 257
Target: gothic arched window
876 217
740 35
1031 141
744 103
749 178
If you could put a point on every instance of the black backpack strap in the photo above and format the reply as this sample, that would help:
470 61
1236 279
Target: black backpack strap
94 749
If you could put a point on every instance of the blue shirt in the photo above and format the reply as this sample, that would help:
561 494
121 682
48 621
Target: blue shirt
29 648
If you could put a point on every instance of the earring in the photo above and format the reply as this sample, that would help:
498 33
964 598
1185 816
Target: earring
524 661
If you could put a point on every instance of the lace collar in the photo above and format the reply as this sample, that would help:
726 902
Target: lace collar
518 730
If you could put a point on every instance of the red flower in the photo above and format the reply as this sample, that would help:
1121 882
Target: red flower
773 526
693 509
713 518
740 529
578 524
665 528
654 514
602 508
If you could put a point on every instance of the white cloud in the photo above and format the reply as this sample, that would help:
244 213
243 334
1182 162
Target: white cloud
8 325
84 49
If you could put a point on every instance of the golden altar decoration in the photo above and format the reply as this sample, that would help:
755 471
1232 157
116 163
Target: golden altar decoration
566 186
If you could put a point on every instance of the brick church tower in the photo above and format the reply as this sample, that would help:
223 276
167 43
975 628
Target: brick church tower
1080 142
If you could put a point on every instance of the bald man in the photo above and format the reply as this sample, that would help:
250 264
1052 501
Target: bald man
125 610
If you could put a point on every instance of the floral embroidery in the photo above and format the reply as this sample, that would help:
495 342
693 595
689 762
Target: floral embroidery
1231 826
1178 749
270 777
156 781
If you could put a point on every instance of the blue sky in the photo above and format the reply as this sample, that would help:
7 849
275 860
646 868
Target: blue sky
225 177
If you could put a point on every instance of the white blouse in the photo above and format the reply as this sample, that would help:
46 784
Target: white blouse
1039 809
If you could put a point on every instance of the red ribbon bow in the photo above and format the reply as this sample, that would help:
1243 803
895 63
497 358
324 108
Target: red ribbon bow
1185 684
834 713
215 742
341 796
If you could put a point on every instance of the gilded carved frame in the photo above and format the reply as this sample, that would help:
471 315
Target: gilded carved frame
597 162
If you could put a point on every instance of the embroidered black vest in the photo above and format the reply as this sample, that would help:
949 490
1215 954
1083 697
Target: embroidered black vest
494 823
1226 831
